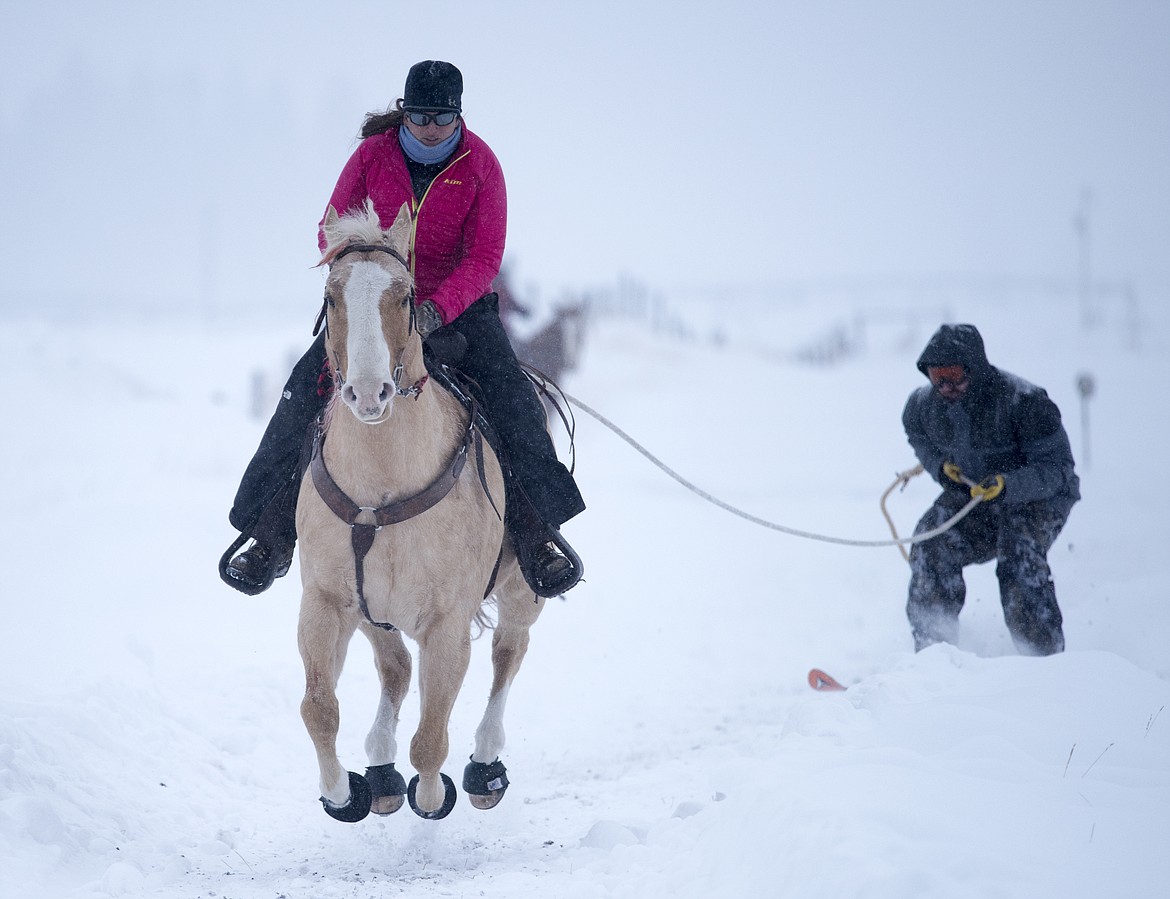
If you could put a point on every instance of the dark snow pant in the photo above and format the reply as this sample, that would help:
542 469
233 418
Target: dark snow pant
1019 537
515 411
265 503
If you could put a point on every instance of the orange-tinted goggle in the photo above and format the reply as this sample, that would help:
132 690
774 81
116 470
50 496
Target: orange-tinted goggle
946 376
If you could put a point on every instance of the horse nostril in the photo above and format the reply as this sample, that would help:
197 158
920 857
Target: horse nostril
348 394
385 394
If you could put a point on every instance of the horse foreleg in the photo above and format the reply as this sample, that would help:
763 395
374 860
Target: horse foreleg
323 637
393 663
484 779
444 653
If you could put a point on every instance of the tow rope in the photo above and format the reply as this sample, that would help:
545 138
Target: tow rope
900 542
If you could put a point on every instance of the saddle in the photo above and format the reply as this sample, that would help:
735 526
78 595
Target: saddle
525 525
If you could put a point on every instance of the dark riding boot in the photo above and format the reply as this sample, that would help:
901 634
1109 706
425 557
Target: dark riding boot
273 540
550 567
260 564
549 564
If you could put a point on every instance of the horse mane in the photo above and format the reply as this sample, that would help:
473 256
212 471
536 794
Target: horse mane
355 226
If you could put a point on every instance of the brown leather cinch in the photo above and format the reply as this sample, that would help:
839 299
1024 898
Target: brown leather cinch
362 534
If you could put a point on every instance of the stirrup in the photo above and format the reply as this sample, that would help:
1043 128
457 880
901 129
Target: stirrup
228 576
564 582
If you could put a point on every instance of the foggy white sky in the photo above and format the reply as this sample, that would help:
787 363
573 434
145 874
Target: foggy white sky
158 151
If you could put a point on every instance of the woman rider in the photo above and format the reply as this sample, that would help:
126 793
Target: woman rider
420 152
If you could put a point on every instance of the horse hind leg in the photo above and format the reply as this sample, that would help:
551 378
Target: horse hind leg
323 638
485 778
393 663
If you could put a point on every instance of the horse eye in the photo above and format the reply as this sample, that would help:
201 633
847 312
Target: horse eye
329 301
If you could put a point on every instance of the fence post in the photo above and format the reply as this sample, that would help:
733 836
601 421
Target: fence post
1086 386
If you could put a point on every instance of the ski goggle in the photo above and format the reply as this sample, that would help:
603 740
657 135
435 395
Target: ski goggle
947 376
422 119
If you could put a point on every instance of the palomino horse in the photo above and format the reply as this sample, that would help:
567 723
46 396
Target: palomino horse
372 561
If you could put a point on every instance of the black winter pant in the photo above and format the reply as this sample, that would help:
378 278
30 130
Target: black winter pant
1019 537
265 503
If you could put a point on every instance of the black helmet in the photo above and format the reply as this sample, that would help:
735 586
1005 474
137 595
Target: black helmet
433 85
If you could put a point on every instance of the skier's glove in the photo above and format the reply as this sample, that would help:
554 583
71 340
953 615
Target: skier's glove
952 471
989 488
428 318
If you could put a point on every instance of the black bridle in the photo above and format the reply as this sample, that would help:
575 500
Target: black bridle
372 248
323 317
363 533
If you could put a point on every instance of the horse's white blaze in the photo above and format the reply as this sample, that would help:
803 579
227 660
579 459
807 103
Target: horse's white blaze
368 388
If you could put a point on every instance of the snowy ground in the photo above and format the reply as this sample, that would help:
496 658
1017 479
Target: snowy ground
663 742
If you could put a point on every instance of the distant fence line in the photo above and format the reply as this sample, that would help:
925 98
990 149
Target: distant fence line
855 308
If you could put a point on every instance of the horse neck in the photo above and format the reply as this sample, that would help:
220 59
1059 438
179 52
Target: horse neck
399 456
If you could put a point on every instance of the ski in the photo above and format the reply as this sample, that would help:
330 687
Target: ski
822 682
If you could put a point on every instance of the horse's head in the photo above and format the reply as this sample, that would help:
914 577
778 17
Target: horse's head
369 334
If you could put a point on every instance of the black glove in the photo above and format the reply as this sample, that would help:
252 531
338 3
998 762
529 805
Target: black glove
428 318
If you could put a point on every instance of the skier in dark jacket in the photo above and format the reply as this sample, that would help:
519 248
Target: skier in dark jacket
980 431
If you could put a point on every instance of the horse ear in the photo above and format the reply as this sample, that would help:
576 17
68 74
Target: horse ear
399 232
328 228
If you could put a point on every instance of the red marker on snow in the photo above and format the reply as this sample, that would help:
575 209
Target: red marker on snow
821 681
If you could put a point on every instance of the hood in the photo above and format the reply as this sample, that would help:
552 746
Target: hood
956 345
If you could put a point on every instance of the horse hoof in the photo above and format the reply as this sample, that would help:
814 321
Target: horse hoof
360 799
448 799
485 783
387 787
387 805
483 803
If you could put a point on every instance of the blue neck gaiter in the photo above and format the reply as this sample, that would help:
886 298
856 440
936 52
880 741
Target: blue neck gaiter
421 153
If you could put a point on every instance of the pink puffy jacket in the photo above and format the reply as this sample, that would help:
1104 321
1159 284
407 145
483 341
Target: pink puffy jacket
459 224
